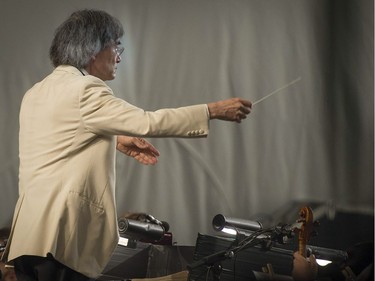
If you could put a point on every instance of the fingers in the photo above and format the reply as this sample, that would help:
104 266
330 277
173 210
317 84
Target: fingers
147 153
297 255
246 105
143 144
146 159
314 265
244 108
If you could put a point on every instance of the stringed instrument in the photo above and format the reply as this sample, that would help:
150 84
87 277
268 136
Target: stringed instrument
305 229
304 226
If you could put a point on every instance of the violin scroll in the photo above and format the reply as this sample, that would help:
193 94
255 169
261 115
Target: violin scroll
305 229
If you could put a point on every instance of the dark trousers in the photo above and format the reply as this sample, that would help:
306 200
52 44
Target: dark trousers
33 268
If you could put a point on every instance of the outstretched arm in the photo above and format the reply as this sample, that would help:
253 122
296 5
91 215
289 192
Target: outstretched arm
138 148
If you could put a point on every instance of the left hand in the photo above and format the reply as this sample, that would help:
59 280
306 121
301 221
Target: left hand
138 148
304 269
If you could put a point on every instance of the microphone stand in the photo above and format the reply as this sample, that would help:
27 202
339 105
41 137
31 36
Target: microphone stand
265 237
212 261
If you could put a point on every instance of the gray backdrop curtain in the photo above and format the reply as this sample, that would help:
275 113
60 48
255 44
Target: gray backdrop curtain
312 141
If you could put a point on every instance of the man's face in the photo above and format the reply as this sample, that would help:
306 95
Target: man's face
104 64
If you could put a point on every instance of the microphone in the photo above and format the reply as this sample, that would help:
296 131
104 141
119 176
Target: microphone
154 220
165 225
140 230
220 221
327 254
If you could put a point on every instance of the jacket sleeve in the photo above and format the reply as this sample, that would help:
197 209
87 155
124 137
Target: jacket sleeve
103 113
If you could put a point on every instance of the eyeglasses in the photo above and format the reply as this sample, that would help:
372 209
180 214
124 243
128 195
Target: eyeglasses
119 50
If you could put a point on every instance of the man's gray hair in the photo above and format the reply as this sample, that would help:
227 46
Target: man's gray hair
84 34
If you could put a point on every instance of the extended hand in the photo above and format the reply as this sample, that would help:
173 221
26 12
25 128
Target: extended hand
138 148
234 109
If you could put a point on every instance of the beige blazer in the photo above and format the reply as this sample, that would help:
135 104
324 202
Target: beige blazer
66 205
